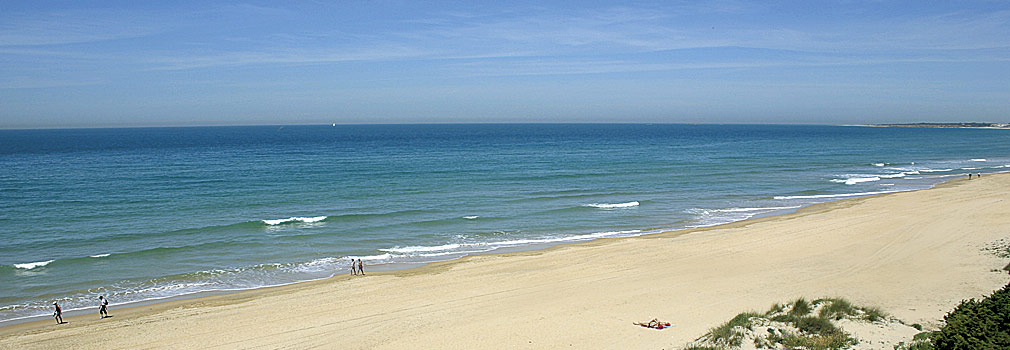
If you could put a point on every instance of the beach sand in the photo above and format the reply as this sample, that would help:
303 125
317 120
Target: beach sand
915 255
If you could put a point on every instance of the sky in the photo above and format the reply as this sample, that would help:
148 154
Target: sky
146 63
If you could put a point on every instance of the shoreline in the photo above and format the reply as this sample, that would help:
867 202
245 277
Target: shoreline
395 267
489 264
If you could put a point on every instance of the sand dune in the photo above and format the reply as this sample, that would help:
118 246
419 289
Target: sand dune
914 254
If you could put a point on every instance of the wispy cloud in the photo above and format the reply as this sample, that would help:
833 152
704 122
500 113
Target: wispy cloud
68 27
517 41
950 31
284 57
36 83
573 66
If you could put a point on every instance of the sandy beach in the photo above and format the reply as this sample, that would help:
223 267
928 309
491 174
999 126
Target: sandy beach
913 254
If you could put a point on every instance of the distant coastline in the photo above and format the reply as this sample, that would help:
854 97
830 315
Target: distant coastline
972 125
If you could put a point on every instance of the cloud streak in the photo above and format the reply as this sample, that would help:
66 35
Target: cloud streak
73 27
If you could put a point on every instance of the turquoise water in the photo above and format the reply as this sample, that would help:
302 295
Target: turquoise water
151 213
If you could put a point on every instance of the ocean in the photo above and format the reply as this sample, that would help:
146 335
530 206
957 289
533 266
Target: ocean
142 214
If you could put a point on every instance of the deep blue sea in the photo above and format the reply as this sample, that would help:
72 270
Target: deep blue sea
148 213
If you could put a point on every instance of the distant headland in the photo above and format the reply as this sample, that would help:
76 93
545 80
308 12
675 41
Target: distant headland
972 125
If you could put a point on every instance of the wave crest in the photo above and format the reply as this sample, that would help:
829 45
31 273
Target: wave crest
415 249
612 205
833 195
855 180
294 219
32 265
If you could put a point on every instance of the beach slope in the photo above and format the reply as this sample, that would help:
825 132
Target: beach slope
915 255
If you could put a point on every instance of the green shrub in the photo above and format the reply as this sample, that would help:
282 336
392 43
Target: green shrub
874 314
701 347
725 334
777 308
785 318
837 309
977 324
816 325
920 341
817 342
800 307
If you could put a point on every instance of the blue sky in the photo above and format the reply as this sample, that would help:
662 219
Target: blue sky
137 63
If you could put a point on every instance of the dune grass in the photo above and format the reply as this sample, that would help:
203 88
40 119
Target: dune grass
799 324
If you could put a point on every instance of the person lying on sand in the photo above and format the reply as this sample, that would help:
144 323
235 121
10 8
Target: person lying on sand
655 323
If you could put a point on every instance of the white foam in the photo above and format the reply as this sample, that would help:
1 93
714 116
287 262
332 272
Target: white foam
418 249
460 252
32 265
833 195
879 164
471 217
978 160
611 206
466 248
294 219
855 180
892 176
738 210
322 261
563 239
100 255
385 256
934 170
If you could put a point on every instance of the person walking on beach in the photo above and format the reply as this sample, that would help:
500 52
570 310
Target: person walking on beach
103 307
58 315
969 176
354 270
361 267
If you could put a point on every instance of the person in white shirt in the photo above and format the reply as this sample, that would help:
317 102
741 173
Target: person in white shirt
104 307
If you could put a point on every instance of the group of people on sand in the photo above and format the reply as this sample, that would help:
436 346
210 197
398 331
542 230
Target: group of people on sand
359 269
976 175
103 309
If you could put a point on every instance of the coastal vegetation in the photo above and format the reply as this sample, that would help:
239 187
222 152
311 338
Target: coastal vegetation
977 324
799 324
974 324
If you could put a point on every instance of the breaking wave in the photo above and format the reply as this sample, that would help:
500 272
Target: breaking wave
840 195
855 180
32 265
294 219
612 206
